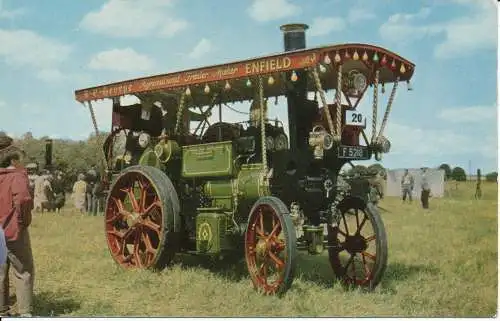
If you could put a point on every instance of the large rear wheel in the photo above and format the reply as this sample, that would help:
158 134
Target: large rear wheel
270 246
142 218
358 244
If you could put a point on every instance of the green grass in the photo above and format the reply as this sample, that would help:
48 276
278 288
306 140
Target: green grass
441 263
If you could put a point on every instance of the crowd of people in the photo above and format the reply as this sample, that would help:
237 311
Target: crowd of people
49 192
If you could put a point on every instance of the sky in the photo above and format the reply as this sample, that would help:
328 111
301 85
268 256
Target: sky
48 49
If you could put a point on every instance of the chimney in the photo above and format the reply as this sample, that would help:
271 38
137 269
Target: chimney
299 108
294 36
48 154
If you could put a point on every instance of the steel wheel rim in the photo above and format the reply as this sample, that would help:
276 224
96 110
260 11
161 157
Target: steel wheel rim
133 221
358 264
265 247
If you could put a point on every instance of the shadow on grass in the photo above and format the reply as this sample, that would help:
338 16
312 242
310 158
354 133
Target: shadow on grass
315 269
54 303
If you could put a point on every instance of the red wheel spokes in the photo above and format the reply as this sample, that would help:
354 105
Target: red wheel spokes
156 203
349 269
133 222
267 258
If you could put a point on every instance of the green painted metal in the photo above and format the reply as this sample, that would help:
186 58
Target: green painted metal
252 182
222 192
211 233
167 151
149 158
209 160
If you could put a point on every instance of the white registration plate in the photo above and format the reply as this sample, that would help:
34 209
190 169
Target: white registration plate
355 118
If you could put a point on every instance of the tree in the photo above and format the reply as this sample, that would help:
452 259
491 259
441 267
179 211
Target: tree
358 169
491 177
458 174
376 168
447 170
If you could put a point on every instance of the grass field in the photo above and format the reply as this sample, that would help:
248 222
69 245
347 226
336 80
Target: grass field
441 263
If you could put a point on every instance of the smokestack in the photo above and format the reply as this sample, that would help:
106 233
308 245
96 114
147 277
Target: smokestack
48 153
294 36
299 113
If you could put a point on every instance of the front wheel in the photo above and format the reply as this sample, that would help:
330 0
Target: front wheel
142 218
358 244
270 246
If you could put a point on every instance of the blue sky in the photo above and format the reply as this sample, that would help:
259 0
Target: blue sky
50 48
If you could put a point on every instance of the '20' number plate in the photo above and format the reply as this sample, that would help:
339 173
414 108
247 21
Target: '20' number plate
355 118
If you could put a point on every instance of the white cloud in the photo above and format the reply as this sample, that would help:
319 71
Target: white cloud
51 75
359 14
468 34
2 103
473 114
401 28
322 26
25 47
203 47
462 36
268 10
10 14
420 142
129 18
125 60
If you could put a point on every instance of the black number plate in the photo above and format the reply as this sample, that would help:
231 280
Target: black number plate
353 152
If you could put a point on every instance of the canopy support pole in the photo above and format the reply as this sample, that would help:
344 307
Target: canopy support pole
375 106
102 157
262 125
180 111
335 131
388 108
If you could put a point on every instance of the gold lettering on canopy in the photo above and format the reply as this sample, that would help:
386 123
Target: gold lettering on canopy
268 65
195 76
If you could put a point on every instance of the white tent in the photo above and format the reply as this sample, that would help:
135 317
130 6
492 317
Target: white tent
435 179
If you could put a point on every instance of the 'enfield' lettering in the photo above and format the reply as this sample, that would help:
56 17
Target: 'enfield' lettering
268 65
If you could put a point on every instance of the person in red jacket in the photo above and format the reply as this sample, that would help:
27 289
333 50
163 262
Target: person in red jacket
15 216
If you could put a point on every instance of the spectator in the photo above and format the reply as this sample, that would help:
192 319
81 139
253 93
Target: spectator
98 198
15 217
79 193
59 193
48 191
39 195
426 189
91 179
407 183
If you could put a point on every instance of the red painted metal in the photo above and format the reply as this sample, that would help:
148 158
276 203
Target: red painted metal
264 251
276 63
134 222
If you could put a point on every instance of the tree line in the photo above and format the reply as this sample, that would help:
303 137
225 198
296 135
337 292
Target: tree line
458 174
69 156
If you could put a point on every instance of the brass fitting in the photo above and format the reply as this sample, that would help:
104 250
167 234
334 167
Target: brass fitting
320 140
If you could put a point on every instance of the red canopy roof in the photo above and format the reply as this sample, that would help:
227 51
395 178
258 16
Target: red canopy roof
362 57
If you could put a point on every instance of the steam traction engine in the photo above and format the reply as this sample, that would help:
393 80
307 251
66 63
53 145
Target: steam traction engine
181 184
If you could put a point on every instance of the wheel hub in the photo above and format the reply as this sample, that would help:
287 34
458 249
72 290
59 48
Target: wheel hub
355 243
133 219
261 249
